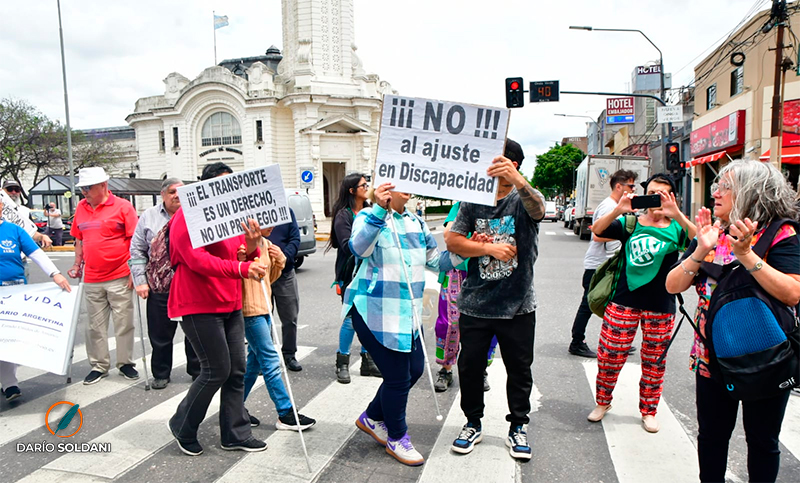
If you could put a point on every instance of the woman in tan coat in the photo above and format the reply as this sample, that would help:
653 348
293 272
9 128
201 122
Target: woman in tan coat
261 352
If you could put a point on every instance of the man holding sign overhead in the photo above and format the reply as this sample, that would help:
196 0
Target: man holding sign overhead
497 297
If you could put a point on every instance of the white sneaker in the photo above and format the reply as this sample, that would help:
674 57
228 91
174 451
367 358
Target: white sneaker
404 451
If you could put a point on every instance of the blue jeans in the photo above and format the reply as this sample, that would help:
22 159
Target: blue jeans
400 371
346 334
261 354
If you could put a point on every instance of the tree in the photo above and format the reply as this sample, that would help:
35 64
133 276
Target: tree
554 169
31 142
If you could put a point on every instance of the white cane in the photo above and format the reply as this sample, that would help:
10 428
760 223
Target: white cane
415 317
288 384
141 333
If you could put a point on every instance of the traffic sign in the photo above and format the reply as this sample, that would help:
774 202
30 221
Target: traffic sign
670 114
544 91
307 178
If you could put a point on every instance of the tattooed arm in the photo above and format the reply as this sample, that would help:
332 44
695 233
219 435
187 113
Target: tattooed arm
532 199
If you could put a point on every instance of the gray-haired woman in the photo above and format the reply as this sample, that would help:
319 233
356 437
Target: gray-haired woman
748 196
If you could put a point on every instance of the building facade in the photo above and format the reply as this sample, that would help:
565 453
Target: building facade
310 107
733 105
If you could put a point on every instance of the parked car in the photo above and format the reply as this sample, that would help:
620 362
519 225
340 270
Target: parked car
39 219
550 211
300 204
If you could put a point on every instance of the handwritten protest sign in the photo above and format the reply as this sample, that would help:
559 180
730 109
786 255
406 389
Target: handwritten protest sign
440 149
37 325
215 208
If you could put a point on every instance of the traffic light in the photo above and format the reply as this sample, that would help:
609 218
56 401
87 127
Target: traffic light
515 96
673 157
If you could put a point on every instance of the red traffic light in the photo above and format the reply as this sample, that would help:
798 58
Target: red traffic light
514 85
673 149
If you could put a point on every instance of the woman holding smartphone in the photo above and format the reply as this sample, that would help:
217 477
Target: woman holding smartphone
641 296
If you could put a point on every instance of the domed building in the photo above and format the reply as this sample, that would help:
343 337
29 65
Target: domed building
309 108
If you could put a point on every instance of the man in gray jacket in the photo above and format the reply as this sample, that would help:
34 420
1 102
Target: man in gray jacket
160 328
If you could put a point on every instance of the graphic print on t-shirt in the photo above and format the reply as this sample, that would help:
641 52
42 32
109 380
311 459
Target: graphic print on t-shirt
8 246
499 230
643 249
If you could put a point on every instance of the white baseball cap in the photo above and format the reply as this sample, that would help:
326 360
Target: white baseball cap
91 176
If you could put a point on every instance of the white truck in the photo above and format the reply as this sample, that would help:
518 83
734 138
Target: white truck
592 186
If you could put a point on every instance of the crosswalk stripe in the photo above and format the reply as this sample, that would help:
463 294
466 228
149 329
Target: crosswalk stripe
549 233
669 454
336 409
790 436
569 233
133 441
490 460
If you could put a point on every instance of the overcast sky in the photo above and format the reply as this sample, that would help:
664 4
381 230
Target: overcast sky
458 50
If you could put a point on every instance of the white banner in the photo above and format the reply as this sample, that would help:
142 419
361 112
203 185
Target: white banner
36 326
440 149
670 114
214 208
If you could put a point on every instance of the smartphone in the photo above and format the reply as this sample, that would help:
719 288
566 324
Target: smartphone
646 201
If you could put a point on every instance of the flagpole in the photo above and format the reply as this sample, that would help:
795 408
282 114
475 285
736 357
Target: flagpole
66 108
214 25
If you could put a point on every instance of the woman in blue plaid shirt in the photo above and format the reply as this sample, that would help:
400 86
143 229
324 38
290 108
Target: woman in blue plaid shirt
379 302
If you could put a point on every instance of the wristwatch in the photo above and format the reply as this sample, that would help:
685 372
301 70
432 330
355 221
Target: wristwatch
758 266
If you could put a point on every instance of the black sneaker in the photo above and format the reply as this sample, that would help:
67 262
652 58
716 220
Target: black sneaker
444 379
191 448
288 423
12 393
469 436
128 372
254 421
159 383
94 377
292 364
251 445
582 350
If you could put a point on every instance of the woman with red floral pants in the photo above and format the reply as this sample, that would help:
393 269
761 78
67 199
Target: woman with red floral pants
641 297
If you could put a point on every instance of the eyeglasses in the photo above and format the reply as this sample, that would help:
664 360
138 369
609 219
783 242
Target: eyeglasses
362 185
723 187
84 189
14 189
631 186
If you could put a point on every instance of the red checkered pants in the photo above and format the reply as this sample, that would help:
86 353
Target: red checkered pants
616 336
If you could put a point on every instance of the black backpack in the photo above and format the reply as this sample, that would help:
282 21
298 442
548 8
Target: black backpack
753 339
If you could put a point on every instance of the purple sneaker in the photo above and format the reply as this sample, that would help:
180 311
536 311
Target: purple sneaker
404 451
376 429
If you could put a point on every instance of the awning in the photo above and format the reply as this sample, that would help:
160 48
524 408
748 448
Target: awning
789 155
706 159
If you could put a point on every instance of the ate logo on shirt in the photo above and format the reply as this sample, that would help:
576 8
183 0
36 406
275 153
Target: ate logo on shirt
8 246
642 248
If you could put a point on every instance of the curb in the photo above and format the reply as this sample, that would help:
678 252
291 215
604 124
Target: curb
65 248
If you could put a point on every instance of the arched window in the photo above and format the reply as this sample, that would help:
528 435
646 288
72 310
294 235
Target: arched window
221 129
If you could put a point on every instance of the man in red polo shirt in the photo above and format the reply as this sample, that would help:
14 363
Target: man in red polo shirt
103 227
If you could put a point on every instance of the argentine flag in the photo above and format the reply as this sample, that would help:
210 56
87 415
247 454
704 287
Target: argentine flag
220 21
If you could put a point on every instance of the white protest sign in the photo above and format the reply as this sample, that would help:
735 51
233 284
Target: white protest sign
36 322
440 149
214 208
12 214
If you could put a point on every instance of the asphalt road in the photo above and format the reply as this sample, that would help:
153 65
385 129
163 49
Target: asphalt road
566 447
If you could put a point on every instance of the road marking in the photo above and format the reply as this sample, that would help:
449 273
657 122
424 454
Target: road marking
629 444
133 441
13 426
549 233
569 233
336 409
790 437
490 460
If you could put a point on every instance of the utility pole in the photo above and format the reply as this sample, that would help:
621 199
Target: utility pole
777 16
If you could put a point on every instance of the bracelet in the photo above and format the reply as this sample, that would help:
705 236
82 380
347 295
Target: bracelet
687 272
240 270
694 259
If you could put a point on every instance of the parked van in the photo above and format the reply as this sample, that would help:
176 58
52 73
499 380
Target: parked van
300 204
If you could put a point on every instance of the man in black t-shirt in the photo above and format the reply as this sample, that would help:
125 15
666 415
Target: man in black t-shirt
497 297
